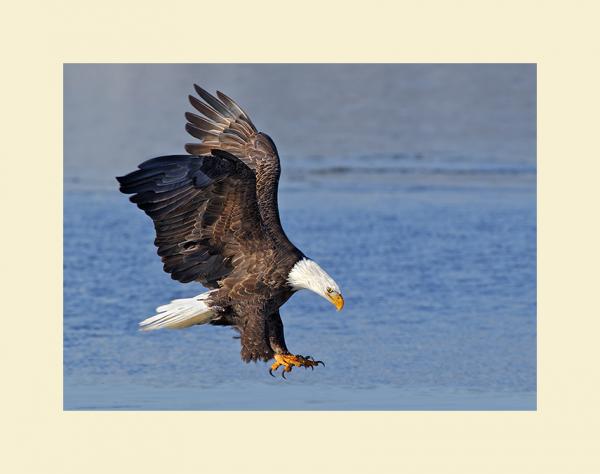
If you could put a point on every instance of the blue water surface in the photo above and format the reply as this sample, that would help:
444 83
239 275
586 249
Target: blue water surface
414 186
439 281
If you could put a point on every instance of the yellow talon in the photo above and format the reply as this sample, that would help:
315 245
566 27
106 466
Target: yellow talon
289 361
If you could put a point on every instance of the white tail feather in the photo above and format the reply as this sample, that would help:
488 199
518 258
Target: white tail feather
181 313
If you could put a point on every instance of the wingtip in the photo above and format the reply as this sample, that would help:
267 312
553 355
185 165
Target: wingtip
199 90
123 184
224 97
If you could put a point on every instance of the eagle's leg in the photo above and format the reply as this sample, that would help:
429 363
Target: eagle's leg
283 358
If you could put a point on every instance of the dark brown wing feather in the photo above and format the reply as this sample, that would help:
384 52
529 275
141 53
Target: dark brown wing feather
204 211
225 126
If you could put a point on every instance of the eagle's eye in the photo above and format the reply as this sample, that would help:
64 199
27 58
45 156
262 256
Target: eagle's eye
329 290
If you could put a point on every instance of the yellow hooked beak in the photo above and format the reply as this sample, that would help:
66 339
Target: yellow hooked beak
337 300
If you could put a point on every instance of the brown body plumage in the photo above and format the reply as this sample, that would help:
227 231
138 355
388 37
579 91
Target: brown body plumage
217 222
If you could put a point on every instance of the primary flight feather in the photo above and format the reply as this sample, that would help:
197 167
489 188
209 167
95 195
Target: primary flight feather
217 222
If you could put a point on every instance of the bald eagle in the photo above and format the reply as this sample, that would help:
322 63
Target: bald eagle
216 219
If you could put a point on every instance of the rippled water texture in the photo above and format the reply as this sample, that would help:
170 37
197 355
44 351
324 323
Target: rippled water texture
414 186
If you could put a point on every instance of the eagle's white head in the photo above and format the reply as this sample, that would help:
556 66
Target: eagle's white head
307 274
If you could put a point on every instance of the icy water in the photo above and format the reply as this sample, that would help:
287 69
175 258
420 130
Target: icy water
435 252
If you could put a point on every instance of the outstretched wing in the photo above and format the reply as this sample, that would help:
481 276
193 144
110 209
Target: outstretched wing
204 211
225 126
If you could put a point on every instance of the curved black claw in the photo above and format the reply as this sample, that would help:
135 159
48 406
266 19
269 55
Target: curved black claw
320 362
271 372
283 374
